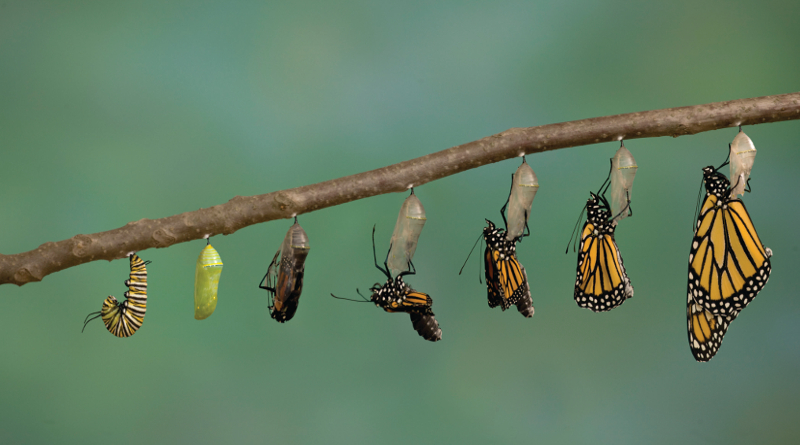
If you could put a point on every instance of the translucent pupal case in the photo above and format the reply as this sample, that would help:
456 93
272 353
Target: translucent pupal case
206 282
742 157
524 186
623 171
409 225
290 269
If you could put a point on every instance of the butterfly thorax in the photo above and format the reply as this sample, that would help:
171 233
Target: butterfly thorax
598 214
496 241
716 183
391 290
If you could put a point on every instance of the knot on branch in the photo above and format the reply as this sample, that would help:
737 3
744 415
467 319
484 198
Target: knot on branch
164 238
283 202
80 245
23 275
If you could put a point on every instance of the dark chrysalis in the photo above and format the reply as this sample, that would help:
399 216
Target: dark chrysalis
284 277
124 319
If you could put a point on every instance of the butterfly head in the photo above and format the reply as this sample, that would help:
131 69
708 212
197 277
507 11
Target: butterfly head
716 183
492 234
597 210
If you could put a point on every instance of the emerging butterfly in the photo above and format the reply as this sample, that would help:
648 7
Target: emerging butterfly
728 265
397 296
602 283
506 280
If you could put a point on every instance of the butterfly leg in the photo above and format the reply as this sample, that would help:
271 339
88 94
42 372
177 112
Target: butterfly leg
375 257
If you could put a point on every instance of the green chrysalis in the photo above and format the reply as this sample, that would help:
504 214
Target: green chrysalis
206 281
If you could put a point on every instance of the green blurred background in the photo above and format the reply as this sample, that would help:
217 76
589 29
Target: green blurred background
115 111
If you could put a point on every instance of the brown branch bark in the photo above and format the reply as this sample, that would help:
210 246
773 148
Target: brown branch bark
242 211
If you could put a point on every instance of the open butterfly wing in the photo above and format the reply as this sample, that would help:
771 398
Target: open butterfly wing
728 265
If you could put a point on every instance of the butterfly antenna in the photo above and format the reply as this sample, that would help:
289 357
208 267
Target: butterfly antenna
480 265
87 319
697 205
470 253
580 218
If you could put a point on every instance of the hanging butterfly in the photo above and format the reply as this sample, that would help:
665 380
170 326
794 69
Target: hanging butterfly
601 283
397 296
728 264
506 280
284 277
124 319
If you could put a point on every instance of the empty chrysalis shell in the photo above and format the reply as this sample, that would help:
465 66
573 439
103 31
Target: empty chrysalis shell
409 225
623 170
524 186
290 270
743 154
206 282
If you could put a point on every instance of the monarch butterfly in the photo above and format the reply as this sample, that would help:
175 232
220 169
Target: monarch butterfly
206 282
602 283
728 265
506 280
397 296
123 320
284 277
406 233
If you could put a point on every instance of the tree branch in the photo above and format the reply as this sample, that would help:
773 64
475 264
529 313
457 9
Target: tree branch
242 211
